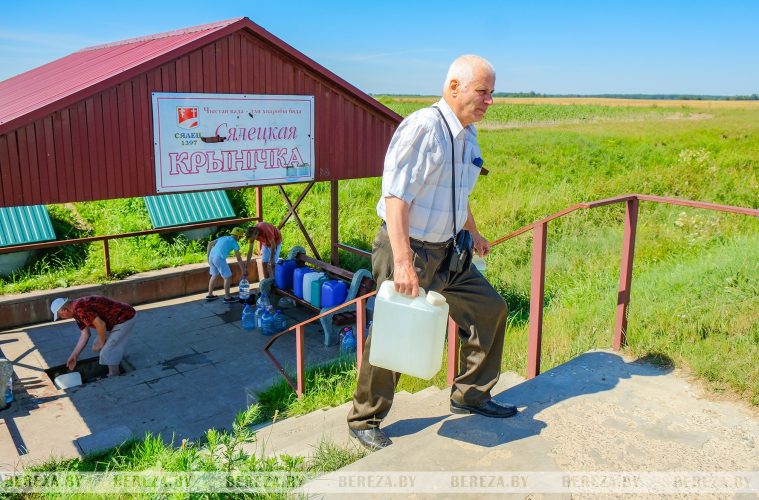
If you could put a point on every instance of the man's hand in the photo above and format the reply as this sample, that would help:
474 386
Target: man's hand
71 362
405 278
481 245
98 345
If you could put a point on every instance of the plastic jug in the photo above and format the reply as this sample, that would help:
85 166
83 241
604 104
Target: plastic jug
347 341
267 322
298 275
244 289
283 274
248 317
263 304
280 321
308 279
408 333
333 293
316 291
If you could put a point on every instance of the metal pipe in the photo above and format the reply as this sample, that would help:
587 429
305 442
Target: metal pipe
625 274
537 294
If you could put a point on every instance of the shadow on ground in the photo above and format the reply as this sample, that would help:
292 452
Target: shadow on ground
588 373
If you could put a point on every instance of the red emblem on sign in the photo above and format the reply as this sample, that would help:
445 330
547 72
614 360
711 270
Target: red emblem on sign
187 117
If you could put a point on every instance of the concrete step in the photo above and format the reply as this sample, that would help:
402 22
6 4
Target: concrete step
413 422
301 435
418 428
411 413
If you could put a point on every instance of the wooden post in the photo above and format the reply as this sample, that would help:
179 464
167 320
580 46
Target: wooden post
259 203
453 350
625 274
300 361
334 204
537 293
106 259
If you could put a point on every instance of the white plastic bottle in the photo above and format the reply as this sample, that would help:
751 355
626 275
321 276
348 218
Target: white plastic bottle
244 289
408 333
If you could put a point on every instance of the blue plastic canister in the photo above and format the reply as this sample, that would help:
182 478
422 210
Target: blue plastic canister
333 293
298 280
283 274
316 291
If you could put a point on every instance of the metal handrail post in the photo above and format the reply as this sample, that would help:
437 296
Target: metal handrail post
453 350
625 274
300 360
361 327
537 293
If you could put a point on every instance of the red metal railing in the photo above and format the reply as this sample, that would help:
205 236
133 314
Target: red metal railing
537 286
299 385
106 238
537 280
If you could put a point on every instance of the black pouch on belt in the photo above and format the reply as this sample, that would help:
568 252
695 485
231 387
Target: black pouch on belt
461 254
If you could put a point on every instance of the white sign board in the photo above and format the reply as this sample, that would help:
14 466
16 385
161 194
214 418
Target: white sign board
217 141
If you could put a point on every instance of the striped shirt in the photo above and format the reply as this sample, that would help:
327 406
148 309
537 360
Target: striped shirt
418 171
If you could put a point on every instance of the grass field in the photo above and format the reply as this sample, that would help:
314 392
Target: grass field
695 291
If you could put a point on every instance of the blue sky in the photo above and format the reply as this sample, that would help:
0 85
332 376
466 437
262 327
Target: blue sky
583 47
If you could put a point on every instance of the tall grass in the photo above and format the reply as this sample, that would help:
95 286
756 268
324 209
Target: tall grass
563 155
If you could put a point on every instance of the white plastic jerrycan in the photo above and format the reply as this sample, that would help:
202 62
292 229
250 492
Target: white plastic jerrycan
408 333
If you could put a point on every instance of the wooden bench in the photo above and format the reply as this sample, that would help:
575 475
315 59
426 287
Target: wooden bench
339 319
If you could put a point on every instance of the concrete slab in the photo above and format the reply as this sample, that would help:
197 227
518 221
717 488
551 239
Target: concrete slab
194 367
598 412
104 440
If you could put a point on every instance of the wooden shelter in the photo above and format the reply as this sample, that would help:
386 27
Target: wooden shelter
80 128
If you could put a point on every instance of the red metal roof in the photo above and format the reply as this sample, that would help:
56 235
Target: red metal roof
80 128
29 94
53 86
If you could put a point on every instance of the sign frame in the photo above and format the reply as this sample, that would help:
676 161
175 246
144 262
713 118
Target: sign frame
208 141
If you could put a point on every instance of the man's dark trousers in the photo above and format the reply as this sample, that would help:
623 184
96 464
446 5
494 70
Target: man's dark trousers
475 306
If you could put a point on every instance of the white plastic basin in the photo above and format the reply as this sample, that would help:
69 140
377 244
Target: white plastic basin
68 380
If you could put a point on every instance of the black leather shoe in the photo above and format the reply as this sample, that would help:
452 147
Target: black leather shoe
372 439
488 409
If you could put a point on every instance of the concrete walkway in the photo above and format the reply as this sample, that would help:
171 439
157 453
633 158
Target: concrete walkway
194 365
194 368
597 413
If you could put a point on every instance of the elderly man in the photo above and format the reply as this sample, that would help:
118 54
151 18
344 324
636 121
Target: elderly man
431 166
113 322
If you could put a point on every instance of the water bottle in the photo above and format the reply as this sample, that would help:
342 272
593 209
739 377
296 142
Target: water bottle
261 306
267 322
248 317
244 289
9 391
280 321
347 341
263 300
260 309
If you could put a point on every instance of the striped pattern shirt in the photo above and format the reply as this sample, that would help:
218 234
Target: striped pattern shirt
418 171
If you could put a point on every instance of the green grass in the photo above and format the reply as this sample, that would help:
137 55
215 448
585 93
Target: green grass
327 386
563 155
220 450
